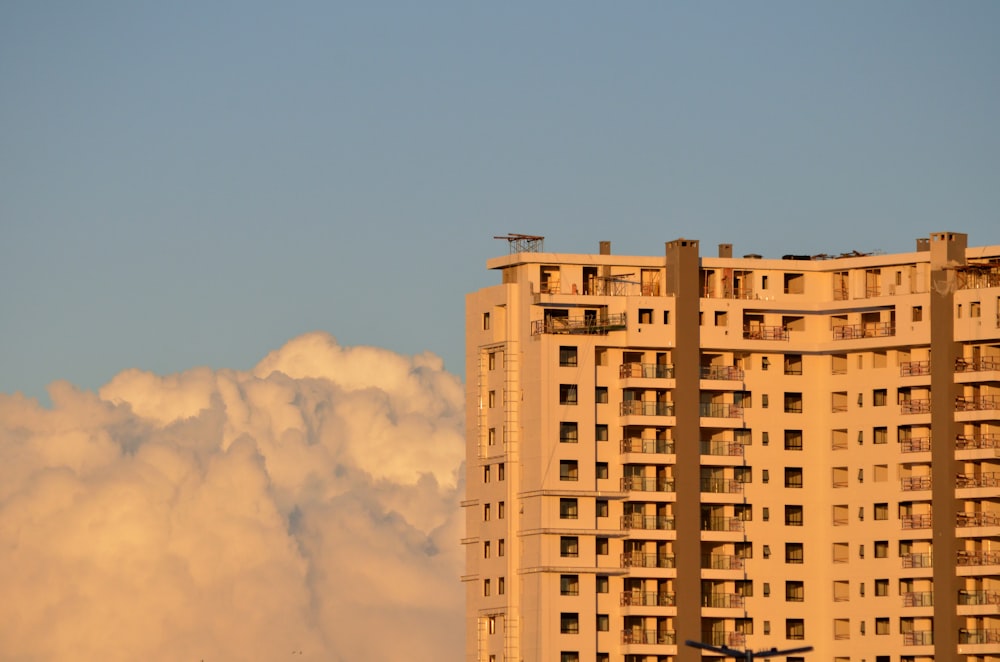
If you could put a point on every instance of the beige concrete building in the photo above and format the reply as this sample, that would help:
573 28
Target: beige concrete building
746 452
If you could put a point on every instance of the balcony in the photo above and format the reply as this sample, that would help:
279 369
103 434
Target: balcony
918 638
592 326
856 331
988 479
660 637
721 562
984 636
915 445
723 638
721 486
966 442
645 371
915 483
915 406
980 403
966 559
722 372
720 410
646 484
976 598
765 333
981 365
918 599
914 368
644 560
918 560
977 519
648 446
641 408
647 599
916 521
722 448
722 524
722 601
648 522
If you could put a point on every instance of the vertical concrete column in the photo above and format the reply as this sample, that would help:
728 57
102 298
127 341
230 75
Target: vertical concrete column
682 272
947 252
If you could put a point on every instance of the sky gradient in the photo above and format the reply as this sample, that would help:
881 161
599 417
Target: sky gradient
195 184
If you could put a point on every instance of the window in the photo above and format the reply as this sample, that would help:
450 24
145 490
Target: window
601 469
492 436
645 316
567 394
492 360
795 591
567 356
492 399
569 470
917 313
765 438
569 622
601 395
486 473
841 591
568 509
794 552
767 589
764 401
743 474
602 546
881 511
765 363
602 507
486 513
601 432
500 510
793 440
882 625
840 514
500 547
568 432
569 585
793 403
881 549
486 587
840 552
880 397
793 515
486 321
767 627
766 512
880 435
501 473
569 656
880 473
569 546
603 584
486 549
767 551
793 477
500 586
603 623
881 588
975 310
795 628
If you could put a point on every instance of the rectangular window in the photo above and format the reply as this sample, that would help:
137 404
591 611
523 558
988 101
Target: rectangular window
569 546
569 470
917 314
491 437
500 510
793 440
645 316
793 477
569 656
569 623
602 546
602 507
492 360
501 586
486 512
795 591
568 509
880 435
501 473
881 511
567 394
793 515
766 513
569 584
568 433
793 403
601 395
794 552
795 628
486 549
567 356
880 397
881 549
881 588
603 584
492 397
486 473
882 625
601 432
601 469
486 321
486 587
500 547
603 623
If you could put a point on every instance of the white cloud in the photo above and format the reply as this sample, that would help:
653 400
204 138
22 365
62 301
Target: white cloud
310 504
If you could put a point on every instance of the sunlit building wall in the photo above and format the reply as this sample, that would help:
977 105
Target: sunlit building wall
745 452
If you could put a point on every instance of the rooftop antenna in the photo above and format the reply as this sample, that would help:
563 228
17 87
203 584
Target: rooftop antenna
747 655
523 243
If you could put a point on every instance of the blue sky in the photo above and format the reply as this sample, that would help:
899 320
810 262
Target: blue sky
187 184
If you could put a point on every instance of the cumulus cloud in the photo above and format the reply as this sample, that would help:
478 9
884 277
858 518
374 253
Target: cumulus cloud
310 504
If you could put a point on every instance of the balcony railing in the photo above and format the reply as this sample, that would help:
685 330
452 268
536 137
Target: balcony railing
915 445
853 331
765 333
723 448
722 524
914 368
725 372
918 638
918 560
984 636
648 446
964 442
973 598
641 408
645 371
644 560
977 519
720 410
915 483
723 638
722 600
988 479
721 562
660 637
917 521
980 403
977 365
649 522
721 486
915 406
648 599
918 599
647 484
595 326
965 559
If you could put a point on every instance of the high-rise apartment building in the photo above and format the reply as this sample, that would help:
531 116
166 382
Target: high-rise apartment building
746 452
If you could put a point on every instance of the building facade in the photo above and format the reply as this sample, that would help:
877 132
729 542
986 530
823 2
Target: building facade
744 452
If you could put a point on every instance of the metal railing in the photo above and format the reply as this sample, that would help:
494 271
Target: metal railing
579 325
855 331
918 638
973 598
977 365
918 560
987 479
648 446
918 599
722 448
649 522
915 483
916 521
648 599
964 442
722 524
720 410
983 636
641 408
645 371
661 637
918 406
722 372
722 600
914 368
765 333
977 519
915 445
721 486
966 559
644 560
978 403
721 562
647 484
